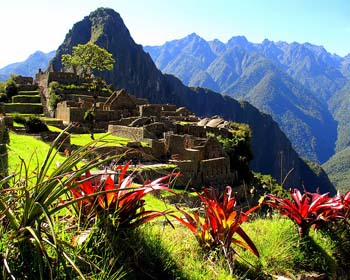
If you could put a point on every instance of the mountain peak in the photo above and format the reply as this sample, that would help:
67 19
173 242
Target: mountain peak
100 12
193 35
267 42
238 40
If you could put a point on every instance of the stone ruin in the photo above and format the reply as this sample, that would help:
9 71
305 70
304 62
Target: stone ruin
175 135
200 158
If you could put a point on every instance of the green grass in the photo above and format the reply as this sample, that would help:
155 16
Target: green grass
106 139
28 92
175 254
54 128
281 251
26 115
28 148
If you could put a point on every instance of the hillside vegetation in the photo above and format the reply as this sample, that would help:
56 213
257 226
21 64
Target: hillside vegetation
292 82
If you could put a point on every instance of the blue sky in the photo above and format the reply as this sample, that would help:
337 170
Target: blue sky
27 26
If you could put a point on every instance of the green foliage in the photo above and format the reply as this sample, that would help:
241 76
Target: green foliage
4 97
89 57
28 149
34 245
32 123
123 200
220 223
309 209
2 87
339 233
11 87
35 125
282 253
4 153
238 149
19 119
259 186
54 96
338 170
165 253
24 108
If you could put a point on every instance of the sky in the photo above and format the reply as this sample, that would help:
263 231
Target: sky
27 26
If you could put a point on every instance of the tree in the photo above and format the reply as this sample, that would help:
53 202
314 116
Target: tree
88 57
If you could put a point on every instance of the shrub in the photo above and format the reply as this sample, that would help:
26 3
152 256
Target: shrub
11 88
54 97
19 119
220 223
4 98
35 125
309 209
124 199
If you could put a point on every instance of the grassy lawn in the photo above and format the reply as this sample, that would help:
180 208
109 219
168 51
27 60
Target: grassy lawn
31 150
105 139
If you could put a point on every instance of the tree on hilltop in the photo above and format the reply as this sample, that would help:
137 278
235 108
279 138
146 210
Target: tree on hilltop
88 57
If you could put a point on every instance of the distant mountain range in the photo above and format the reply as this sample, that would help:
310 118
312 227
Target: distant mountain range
292 82
29 67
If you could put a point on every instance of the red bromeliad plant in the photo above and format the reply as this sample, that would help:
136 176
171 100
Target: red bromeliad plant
124 199
220 222
309 209
345 201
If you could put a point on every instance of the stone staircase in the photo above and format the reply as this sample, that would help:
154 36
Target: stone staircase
25 102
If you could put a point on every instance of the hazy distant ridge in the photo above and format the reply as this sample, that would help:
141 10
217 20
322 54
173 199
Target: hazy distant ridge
29 67
292 82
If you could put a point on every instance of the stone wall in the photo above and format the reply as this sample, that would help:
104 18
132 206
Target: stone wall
23 80
169 107
216 172
150 110
157 129
120 100
3 149
133 133
158 148
63 78
197 131
176 145
27 87
23 108
189 174
124 121
214 149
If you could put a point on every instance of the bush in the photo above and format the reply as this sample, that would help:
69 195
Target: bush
2 87
54 97
4 97
35 125
19 119
11 88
